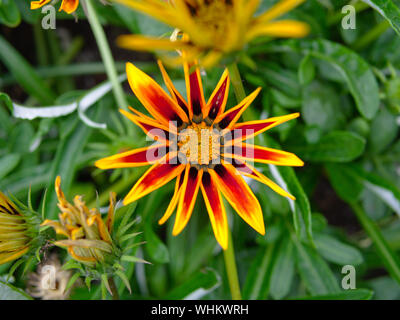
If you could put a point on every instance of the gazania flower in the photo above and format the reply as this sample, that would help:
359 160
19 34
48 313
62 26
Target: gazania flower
89 239
15 233
69 6
50 281
215 27
201 145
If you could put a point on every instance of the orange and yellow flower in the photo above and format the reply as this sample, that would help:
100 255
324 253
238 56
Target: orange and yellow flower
69 6
215 28
202 146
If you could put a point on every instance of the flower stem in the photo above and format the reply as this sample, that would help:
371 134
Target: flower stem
231 270
371 35
106 56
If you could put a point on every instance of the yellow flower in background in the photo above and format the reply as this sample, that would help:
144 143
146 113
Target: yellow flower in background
69 6
215 28
89 239
14 231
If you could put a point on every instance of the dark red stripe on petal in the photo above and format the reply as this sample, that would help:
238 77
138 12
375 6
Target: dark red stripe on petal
217 102
190 187
244 131
157 176
239 195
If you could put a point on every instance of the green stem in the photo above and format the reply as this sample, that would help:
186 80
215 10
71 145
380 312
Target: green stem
231 270
338 16
389 258
371 35
107 57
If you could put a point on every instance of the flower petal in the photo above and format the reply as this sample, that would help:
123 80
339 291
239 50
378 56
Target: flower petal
279 9
187 198
216 209
194 89
253 173
38 4
282 28
249 129
10 256
142 43
230 117
69 6
174 200
217 102
153 97
260 154
239 195
152 128
172 90
154 178
134 158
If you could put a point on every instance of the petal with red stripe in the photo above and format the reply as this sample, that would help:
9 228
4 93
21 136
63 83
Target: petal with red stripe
157 176
239 195
152 128
230 117
194 89
253 173
153 97
134 158
174 201
247 130
187 198
216 209
217 102
260 154
172 90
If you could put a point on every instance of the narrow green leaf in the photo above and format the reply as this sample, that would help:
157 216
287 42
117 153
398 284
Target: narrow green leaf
9 292
355 294
387 9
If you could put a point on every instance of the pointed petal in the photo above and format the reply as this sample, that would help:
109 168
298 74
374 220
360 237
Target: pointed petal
69 6
239 195
249 129
153 97
38 4
142 43
10 256
282 28
152 128
217 102
279 9
154 178
7 206
187 198
174 201
215 209
230 117
134 158
260 154
194 89
172 90
253 173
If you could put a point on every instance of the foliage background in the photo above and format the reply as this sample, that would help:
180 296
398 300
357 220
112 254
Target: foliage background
346 85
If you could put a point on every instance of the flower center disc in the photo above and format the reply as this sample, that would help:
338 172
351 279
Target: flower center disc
199 144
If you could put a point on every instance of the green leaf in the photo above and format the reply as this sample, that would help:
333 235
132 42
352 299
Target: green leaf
156 249
24 73
9 292
8 164
344 181
337 252
314 271
197 286
352 68
283 270
387 9
384 129
355 294
336 146
306 70
9 13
